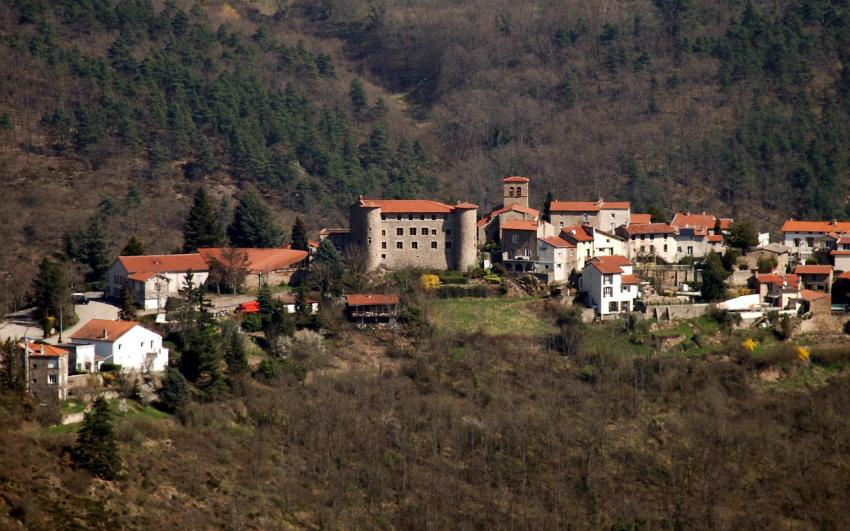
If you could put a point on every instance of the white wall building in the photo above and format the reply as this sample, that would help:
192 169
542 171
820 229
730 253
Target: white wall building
154 278
610 285
556 257
124 343
804 238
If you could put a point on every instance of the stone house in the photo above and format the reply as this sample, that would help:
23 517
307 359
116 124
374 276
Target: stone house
651 240
815 277
261 266
771 251
556 258
125 343
777 291
515 192
841 254
47 368
602 215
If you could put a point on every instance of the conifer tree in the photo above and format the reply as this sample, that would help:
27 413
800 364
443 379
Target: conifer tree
234 352
547 207
203 226
254 224
134 247
174 394
95 251
357 94
96 449
299 235
128 304
51 291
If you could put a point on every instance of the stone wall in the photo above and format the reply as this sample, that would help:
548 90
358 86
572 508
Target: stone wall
671 312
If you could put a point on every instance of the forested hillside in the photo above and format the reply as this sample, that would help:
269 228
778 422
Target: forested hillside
120 108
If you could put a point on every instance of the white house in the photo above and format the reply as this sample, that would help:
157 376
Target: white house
803 238
591 242
82 357
556 257
124 343
154 278
610 285
651 240
290 303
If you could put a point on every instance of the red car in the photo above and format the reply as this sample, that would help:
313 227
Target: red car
249 307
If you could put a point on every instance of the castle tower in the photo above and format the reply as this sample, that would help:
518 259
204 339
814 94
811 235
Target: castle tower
465 217
365 223
515 191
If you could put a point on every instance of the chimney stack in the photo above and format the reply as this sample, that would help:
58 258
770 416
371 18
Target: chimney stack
105 334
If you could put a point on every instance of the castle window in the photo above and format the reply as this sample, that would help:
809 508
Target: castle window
383 257
383 233
433 245
369 240
421 216
383 245
410 217
399 232
448 232
433 216
424 231
399 245
413 231
51 378
448 245
398 217
415 245
383 217
433 232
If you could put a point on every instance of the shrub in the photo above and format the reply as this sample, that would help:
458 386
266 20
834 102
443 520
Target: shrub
251 322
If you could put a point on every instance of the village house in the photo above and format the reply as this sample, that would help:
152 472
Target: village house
261 266
699 234
650 241
154 278
290 302
82 358
609 284
775 252
602 215
556 258
47 368
515 192
815 277
372 309
125 343
805 238
398 233
591 242
777 291
841 254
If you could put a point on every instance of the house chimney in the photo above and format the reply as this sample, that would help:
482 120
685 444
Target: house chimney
104 334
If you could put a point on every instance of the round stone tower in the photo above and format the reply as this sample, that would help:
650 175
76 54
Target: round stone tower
365 223
465 216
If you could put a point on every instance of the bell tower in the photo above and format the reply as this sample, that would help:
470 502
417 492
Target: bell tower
515 191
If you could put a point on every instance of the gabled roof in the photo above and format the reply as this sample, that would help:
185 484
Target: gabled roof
43 349
630 279
576 233
763 278
515 179
811 295
362 299
845 275
813 270
514 207
650 228
641 219
603 267
555 241
519 224
104 330
616 205
161 263
694 220
611 264
816 226
410 206
615 259
574 206
254 260
715 238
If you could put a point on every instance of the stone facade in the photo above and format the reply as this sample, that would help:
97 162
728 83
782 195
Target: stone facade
395 234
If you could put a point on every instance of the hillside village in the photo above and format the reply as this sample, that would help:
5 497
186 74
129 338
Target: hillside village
598 257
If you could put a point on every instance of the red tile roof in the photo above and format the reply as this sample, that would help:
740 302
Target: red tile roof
161 263
641 219
845 275
839 252
253 259
141 277
519 224
616 205
792 280
604 267
813 270
407 206
616 259
816 226
43 349
361 299
715 238
574 206
650 228
726 223
515 179
630 279
517 208
577 233
811 295
694 220
762 278
555 241
104 330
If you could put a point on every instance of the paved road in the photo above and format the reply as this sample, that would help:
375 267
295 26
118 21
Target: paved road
22 323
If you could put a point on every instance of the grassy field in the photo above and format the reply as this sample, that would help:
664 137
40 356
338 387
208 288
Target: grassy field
496 316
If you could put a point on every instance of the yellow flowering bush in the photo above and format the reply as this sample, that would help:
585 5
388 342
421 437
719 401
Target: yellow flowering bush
749 344
803 354
429 282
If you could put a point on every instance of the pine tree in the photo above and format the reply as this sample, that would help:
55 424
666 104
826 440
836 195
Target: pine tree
51 291
547 207
96 449
568 89
254 224
714 277
95 251
12 367
273 316
742 235
299 235
128 304
203 226
357 94
174 394
134 247
234 352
